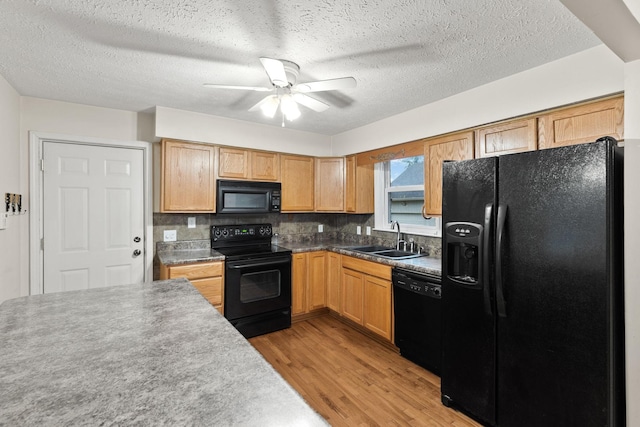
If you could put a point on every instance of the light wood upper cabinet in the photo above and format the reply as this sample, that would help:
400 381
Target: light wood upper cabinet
233 163
458 146
253 165
329 186
206 277
506 138
187 177
359 187
265 166
297 174
582 123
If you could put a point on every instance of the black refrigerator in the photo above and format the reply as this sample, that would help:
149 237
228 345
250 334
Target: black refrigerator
532 287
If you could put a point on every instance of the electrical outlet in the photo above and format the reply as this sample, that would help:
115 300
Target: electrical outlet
358 230
368 231
320 228
191 222
170 235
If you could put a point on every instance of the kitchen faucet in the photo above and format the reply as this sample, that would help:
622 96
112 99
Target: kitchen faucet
395 224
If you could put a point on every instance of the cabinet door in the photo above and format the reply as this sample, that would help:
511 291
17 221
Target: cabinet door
334 265
233 163
582 123
506 138
329 186
265 166
458 146
299 283
317 279
297 176
353 295
187 178
359 187
377 306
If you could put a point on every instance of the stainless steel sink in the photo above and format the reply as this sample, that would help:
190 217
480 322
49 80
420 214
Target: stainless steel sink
385 252
369 249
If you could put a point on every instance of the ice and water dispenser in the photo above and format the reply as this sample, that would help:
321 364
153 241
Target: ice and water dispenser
464 243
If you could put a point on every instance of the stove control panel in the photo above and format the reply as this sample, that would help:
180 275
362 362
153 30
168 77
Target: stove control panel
240 232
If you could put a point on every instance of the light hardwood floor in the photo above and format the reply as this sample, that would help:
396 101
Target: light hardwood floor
352 380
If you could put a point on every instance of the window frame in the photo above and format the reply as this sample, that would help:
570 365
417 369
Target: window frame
381 179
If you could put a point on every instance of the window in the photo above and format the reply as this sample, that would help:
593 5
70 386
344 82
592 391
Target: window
401 182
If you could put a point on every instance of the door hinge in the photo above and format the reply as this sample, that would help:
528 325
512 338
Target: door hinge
42 244
42 165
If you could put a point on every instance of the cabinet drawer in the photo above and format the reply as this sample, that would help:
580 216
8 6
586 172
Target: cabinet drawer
367 267
210 288
196 271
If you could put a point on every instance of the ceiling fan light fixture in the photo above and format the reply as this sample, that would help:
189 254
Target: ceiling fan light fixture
270 106
289 107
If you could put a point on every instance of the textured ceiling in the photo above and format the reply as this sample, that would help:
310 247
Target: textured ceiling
136 54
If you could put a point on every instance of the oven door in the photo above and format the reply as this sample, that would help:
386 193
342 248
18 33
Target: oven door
257 286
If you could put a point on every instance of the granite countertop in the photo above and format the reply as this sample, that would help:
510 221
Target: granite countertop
185 255
154 354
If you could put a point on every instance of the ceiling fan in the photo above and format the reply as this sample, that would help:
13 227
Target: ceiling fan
288 94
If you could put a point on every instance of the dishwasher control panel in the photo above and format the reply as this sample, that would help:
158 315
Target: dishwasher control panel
416 282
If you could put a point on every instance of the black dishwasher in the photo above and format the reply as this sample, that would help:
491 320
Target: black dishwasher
416 305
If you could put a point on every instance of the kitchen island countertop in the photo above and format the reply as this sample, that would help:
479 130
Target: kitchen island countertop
153 354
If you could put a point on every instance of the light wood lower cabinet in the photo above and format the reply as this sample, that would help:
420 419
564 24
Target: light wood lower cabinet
366 295
206 277
308 282
334 282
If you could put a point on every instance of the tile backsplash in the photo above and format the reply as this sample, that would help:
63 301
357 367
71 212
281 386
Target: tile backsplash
295 227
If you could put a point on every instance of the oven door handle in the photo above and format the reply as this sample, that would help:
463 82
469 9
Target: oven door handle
269 262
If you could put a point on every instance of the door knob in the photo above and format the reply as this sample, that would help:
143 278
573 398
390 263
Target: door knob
136 252
136 239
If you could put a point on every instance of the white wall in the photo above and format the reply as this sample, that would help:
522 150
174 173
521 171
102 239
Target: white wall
180 124
632 239
588 74
11 239
48 116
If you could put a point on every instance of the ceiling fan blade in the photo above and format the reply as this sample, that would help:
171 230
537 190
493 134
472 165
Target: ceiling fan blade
322 85
275 71
261 102
254 88
310 102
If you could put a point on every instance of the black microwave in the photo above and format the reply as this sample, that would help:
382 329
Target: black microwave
240 197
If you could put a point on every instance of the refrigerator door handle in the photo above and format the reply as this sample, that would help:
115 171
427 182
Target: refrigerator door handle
501 304
486 251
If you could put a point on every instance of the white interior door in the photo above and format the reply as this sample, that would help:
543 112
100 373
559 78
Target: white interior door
93 216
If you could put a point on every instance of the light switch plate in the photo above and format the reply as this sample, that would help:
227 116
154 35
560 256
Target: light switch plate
368 231
170 235
191 222
358 230
320 228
